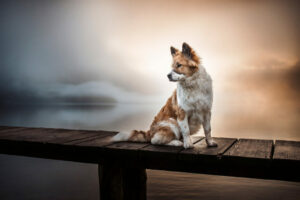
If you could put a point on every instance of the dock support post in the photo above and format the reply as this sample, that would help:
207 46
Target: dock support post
122 183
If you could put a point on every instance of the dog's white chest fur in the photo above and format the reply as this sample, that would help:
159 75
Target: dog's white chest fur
195 97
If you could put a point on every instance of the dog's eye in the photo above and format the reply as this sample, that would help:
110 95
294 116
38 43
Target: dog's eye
178 65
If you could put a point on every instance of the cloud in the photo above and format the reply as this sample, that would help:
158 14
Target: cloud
56 47
97 90
275 76
100 92
62 46
261 102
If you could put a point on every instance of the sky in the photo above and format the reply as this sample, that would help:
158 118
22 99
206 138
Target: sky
118 51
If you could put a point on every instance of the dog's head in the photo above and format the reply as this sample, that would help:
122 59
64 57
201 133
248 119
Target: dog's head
185 63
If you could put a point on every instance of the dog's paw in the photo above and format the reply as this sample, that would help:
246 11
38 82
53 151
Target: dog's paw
176 143
211 143
188 143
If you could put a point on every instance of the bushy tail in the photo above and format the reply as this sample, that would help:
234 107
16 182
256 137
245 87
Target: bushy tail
134 136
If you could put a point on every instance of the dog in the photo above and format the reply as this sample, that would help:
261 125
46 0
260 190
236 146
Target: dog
186 110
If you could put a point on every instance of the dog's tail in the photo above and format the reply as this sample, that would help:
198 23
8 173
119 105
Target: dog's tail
134 136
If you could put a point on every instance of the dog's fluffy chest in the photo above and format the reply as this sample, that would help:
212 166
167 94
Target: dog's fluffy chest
197 95
195 99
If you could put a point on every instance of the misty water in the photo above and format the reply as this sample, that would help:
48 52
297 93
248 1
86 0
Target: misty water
32 178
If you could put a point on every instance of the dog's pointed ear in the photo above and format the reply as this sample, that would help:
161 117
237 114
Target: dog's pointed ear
173 50
186 50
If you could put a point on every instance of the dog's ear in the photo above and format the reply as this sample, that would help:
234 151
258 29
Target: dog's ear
173 50
186 50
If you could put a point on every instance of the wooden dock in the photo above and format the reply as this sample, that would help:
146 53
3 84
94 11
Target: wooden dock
122 173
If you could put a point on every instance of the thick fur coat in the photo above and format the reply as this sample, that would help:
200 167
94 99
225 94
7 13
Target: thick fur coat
186 110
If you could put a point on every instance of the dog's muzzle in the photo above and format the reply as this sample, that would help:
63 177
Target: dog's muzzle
170 77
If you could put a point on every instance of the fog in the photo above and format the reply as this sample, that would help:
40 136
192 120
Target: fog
63 49
110 52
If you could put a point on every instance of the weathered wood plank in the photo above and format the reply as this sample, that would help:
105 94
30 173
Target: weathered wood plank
131 146
248 158
8 127
29 133
126 148
244 158
167 150
87 139
286 160
47 135
52 143
94 142
162 156
204 159
66 136
251 148
91 150
122 151
4 127
11 131
201 150
287 150
125 153
196 138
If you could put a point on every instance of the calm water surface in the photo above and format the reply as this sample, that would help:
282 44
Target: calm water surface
32 178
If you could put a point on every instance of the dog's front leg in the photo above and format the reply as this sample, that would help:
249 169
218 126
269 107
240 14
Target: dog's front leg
185 130
207 130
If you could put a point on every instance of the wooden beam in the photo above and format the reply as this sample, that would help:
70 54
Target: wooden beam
286 160
286 150
244 158
203 159
117 183
51 143
248 158
162 156
201 150
11 130
251 148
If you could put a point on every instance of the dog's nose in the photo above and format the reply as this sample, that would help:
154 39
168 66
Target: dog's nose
169 76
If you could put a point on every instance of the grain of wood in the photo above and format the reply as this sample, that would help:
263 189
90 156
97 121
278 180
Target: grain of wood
47 135
11 131
96 142
244 158
200 148
168 149
288 150
251 148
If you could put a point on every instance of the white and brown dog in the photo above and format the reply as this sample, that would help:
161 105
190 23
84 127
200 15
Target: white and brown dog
186 110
